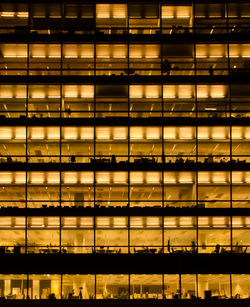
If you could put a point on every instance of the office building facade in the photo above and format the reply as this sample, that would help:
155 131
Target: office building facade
125 152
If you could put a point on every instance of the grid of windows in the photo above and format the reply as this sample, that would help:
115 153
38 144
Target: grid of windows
118 189
151 145
124 129
126 18
122 234
124 286
216 100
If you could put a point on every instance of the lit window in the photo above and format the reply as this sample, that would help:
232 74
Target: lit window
86 222
111 10
70 133
102 222
37 133
153 222
36 177
153 177
203 221
120 133
136 133
153 133
70 222
87 133
53 133
170 222
87 177
136 177
120 177
119 222
6 133
70 178
5 222
103 177
103 133
136 222
53 177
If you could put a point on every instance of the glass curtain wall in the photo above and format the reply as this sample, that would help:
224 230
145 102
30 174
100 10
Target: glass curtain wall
124 286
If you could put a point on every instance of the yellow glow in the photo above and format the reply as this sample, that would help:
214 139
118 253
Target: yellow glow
70 133
218 91
152 91
7 14
201 51
170 11
111 51
202 91
136 133
170 133
153 133
247 176
209 50
237 177
111 11
219 177
70 178
102 222
103 177
136 222
5 221
53 221
239 50
20 178
23 14
147 51
153 221
136 91
186 221
120 177
75 91
53 177
120 133
219 221
119 222
237 221
103 133
203 221
45 50
203 177
87 178
170 221
153 177
37 177
184 91
36 221
237 133
6 133
5 178
219 133
69 221
186 133
186 177
86 222
136 177
203 133
169 177
87 133
37 133
53 133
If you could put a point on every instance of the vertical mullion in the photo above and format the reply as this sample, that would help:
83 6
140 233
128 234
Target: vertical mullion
231 286
61 286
